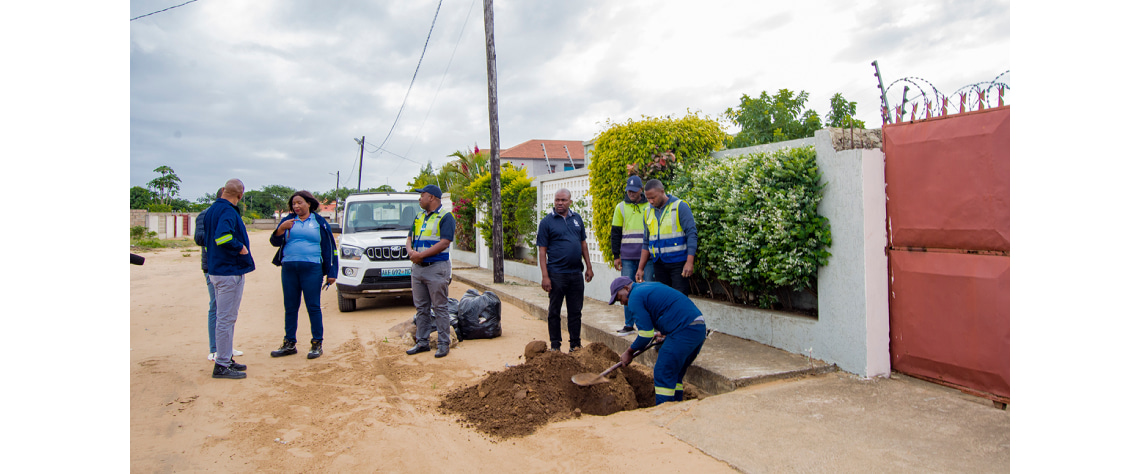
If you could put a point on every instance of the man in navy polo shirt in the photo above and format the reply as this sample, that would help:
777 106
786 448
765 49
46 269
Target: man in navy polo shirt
428 241
561 250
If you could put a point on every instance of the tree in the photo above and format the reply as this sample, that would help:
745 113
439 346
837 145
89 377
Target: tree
842 114
427 176
166 183
277 198
773 118
141 197
518 198
459 173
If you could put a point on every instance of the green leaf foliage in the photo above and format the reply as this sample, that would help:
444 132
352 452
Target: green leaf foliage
842 114
517 198
758 222
653 148
773 118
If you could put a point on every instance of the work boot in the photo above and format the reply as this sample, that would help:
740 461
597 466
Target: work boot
443 350
418 348
316 351
223 372
287 348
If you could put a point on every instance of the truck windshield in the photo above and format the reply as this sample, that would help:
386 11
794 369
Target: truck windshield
380 215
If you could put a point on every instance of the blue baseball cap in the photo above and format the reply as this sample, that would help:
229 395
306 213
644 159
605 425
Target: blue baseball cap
617 285
430 189
633 184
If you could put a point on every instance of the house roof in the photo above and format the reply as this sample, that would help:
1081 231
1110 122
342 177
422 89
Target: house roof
555 150
328 207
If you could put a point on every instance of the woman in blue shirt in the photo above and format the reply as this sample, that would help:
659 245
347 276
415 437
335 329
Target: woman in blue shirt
307 257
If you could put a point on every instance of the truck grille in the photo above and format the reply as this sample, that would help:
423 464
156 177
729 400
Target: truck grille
386 253
405 281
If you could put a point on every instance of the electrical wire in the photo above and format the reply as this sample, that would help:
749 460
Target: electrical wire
164 9
417 71
445 70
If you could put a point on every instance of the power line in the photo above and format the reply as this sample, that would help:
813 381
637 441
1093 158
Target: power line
413 77
164 9
445 70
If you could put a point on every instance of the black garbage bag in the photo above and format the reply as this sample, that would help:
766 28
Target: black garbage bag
479 316
452 313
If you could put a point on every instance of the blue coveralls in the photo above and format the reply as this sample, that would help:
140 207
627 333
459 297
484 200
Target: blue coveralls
659 308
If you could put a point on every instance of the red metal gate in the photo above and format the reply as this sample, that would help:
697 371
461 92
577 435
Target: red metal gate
948 232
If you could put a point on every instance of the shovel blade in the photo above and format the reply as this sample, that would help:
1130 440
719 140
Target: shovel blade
585 380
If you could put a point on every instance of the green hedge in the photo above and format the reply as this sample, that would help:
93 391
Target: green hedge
635 147
758 223
518 199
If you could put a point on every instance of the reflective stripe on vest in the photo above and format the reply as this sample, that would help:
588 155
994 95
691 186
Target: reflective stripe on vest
666 240
427 235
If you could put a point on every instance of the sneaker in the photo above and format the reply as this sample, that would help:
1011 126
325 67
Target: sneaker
575 349
418 348
442 352
223 372
316 351
626 330
211 356
237 353
236 366
287 348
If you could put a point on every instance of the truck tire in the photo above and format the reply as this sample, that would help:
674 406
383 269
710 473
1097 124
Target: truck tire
347 305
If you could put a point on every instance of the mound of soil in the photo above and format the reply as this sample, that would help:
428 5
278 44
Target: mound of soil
516 401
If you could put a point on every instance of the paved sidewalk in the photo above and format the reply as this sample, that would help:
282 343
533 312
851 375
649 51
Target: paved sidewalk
779 412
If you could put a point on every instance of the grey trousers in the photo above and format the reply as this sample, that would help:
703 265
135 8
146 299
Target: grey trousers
429 294
227 295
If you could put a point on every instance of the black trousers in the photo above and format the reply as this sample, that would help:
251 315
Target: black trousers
670 274
572 288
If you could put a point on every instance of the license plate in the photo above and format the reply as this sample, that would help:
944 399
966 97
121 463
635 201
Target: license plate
395 272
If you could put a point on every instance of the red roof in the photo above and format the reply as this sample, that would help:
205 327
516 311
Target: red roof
555 150
328 207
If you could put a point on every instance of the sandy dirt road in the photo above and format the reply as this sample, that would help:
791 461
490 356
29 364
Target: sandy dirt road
362 407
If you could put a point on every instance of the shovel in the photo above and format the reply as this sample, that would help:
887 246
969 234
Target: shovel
588 379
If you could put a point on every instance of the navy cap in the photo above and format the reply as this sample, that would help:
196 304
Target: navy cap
633 183
430 189
617 285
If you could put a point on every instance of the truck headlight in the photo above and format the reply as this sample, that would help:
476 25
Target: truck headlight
349 252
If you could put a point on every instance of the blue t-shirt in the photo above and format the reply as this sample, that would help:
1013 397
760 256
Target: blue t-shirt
562 237
303 242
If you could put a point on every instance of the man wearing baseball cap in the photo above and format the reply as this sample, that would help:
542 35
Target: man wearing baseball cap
428 242
627 233
661 312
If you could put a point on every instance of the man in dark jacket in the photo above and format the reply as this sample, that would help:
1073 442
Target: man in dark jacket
227 261
212 314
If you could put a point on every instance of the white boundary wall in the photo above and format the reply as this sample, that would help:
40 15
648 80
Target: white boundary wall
852 328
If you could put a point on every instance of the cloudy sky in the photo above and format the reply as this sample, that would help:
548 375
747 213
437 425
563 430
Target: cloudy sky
275 92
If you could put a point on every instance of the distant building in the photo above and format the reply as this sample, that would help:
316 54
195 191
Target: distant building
541 157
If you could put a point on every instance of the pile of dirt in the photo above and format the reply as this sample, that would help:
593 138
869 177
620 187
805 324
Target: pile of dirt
516 401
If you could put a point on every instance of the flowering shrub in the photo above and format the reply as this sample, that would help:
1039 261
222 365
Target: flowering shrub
518 199
464 211
757 221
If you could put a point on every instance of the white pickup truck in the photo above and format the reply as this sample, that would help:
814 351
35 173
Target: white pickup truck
373 259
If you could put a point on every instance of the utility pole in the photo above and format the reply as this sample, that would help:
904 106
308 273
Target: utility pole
493 111
358 174
336 198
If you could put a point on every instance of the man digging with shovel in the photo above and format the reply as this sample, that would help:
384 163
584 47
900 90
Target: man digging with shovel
661 312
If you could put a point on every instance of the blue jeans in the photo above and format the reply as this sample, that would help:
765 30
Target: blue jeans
629 269
212 315
297 279
674 357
